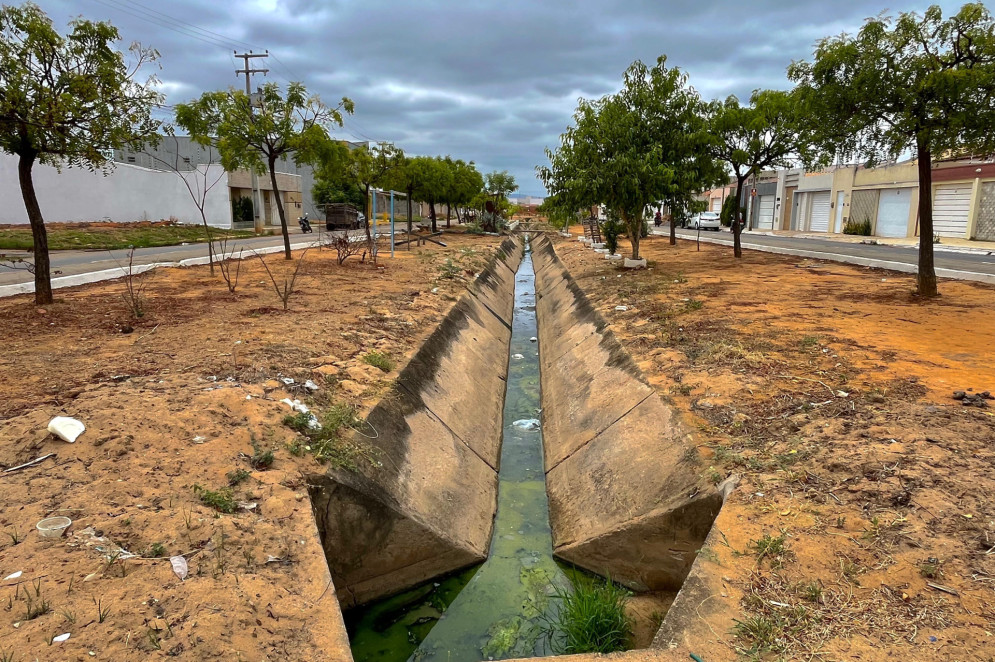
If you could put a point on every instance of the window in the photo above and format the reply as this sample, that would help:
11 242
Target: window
131 159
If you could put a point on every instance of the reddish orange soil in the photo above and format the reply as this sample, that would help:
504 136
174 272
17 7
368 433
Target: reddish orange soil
828 389
180 401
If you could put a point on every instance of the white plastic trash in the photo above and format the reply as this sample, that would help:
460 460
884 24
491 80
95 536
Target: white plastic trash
65 428
53 527
179 566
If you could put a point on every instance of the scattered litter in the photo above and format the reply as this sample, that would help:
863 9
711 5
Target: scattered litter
842 394
89 538
29 464
942 588
297 405
287 380
435 290
248 397
60 638
180 567
533 339
527 424
621 309
310 386
53 527
199 440
517 357
15 575
244 505
65 428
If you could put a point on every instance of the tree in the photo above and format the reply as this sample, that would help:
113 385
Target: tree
430 179
292 125
68 101
198 180
334 179
466 182
751 139
630 150
918 82
500 183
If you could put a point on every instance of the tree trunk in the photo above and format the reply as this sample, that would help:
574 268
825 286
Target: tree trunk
431 213
673 226
279 209
926 276
43 272
449 212
634 230
459 219
410 193
737 228
210 242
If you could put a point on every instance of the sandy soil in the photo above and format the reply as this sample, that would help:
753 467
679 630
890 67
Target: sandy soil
828 389
176 399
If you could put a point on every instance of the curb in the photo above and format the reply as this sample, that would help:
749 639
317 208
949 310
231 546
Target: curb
853 259
121 272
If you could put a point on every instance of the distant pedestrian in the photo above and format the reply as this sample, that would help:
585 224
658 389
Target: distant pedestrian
658 219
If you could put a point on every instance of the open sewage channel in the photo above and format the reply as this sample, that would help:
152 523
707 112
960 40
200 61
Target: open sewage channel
456 542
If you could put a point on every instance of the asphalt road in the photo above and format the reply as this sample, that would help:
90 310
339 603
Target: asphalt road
975 261
71 263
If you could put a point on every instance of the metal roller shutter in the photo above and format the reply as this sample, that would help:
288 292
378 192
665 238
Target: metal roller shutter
951 205
893 212
819 219
765 213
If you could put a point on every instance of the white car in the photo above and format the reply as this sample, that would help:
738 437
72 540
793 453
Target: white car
706 220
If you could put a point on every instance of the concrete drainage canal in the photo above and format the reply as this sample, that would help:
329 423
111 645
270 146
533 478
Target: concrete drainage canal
515 460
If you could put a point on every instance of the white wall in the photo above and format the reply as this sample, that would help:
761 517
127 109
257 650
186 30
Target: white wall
128 193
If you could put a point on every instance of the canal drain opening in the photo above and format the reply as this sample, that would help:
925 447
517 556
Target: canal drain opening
412 587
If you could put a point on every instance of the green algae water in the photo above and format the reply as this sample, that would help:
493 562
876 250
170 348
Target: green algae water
500 611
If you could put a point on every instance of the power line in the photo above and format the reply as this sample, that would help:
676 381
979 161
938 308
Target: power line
130 10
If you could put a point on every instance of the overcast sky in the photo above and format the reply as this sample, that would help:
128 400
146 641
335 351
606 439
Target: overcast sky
490 81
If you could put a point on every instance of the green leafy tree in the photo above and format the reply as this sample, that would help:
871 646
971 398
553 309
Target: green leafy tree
919 82
500 183
293 125
464 184
631 149
430 179
68 100
751 139
334 179
372 168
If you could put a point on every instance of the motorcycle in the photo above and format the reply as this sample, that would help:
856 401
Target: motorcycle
305 224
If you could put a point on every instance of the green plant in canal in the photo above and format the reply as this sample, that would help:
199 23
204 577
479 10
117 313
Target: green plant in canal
591 619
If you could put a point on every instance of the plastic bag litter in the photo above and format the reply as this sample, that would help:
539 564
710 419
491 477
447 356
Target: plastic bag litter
527 424
65 428
179 566
297 405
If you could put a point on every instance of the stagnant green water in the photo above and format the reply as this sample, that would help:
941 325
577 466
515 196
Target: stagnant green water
500 611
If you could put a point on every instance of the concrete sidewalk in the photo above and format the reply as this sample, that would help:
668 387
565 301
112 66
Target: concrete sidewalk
946 243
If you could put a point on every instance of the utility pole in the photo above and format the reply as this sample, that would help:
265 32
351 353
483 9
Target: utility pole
256 198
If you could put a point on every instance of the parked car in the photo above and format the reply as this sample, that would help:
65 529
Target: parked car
706 220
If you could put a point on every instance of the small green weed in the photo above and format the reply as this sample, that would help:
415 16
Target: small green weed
155 551
770 547
15 536
237 477
379 360
930 568
808 342
222 500
102 611
761 631
811 591
694 304
326 443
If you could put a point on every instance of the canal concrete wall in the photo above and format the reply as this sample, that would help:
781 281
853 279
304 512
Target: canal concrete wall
625 499
423 501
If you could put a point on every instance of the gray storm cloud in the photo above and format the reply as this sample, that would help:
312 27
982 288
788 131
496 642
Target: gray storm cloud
493 82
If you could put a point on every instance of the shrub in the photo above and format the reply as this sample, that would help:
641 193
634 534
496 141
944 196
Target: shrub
325 442
222 500
610 231
591 619
237 477
862 228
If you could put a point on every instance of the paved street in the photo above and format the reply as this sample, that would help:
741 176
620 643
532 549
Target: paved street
973 262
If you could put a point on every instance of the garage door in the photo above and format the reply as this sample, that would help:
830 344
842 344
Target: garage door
950 207
893 212
716 204
765 213
819 220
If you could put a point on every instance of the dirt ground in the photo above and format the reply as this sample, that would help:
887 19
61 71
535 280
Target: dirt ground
179 404
864 525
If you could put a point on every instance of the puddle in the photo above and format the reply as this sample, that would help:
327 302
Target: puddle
499 613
